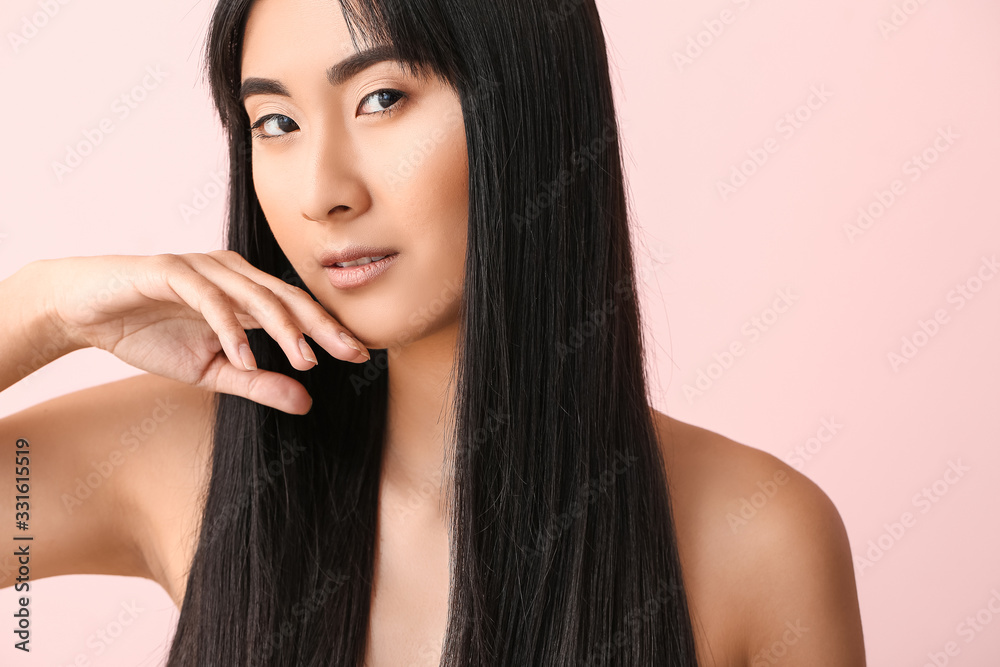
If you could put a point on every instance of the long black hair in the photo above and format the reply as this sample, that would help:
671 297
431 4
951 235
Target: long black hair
563 547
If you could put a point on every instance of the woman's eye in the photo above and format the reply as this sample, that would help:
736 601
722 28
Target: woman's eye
383 101
273 125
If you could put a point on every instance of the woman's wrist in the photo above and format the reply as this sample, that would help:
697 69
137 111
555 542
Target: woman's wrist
34 335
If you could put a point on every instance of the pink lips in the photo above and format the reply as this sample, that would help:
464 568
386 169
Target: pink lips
357 276
353 252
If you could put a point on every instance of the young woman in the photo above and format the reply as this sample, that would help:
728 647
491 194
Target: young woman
460 465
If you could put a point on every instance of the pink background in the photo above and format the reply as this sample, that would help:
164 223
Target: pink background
710 263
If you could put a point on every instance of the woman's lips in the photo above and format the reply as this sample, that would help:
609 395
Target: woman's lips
357 276
353 252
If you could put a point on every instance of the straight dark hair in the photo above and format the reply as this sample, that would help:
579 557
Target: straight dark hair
563 547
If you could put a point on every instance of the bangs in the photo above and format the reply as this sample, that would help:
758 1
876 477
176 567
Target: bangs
413 33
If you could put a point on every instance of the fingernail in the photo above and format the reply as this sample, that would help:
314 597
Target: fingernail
307 351
247 357
353 344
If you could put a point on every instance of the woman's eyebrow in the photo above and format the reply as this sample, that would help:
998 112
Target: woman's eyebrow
336 74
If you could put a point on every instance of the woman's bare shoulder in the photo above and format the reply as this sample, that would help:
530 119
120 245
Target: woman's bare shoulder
765 552
164 421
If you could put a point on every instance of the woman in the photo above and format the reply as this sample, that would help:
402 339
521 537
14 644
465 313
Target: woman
485 485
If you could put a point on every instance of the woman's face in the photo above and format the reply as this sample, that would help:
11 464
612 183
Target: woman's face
330 171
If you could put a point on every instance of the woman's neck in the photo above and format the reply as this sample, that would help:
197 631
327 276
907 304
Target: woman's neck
420 405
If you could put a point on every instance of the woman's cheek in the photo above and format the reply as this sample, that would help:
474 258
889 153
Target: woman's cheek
277 200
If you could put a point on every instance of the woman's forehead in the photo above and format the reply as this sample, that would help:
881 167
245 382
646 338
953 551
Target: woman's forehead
292 32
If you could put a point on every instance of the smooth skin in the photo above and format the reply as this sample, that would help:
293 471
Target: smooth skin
778 590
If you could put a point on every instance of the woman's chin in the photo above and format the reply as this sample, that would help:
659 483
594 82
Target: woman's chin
383 338
418 332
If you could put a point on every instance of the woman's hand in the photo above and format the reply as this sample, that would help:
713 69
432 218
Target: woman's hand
184 317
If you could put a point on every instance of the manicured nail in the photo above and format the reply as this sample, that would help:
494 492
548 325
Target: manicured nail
307 351
353 344
247 357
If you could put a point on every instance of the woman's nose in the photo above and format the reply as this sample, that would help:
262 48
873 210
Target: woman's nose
332 186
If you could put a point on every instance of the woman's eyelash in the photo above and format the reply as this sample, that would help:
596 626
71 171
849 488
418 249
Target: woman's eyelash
395 105
257 133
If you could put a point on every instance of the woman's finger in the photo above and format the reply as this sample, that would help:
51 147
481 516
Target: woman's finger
265 387
307 315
